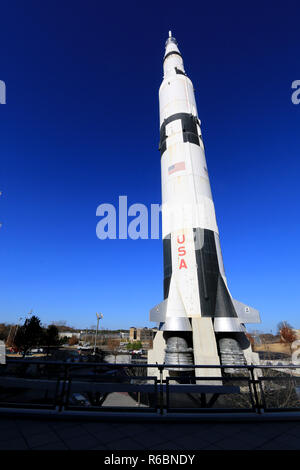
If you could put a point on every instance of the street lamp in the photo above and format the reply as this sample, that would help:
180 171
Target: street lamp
99 316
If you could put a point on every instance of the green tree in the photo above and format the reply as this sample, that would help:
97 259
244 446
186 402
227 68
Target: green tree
50 337
29 335
134 346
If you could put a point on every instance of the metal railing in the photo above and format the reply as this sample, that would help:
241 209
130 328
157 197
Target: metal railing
89 386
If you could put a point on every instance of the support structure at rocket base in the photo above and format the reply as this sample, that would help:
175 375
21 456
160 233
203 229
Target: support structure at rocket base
199 322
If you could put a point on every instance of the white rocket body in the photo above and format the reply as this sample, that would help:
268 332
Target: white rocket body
194 278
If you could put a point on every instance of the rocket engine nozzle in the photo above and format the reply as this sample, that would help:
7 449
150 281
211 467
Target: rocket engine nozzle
231 354
178 353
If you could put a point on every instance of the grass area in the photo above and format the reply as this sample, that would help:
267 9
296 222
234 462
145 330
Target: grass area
274 347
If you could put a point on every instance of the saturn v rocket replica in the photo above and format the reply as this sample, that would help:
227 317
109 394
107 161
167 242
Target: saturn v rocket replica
199 322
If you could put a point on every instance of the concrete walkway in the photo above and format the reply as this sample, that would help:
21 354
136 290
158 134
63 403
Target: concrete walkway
48 434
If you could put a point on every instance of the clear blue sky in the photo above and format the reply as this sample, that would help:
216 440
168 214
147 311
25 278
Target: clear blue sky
81 127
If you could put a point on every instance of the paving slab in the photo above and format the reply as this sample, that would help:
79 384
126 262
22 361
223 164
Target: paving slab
125 435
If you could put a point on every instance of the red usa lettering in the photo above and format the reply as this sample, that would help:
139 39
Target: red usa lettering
181 252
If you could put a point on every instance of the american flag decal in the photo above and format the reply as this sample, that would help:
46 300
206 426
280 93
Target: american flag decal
176 167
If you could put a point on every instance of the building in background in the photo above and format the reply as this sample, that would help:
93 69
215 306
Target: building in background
124 334
145 335
68 334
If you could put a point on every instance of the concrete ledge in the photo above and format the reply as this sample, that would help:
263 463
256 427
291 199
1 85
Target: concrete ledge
149 416
191 388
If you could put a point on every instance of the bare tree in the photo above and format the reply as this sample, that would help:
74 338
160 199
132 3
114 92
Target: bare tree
287 334
251 339
113 346
73 340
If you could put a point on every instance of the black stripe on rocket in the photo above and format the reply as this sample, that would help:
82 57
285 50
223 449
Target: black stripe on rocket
214 297
167 250
189 130
171 53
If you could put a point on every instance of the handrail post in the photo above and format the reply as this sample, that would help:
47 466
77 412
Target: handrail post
63 390
161 390
254 382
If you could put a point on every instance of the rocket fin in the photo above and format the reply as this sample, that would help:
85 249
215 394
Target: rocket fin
158 313
245 313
